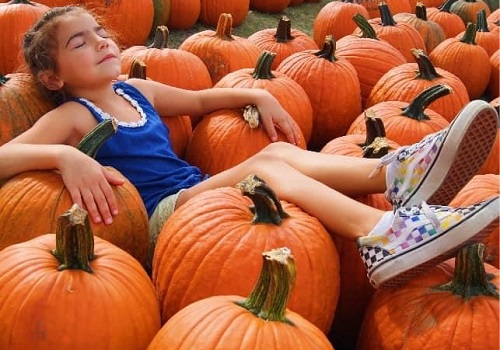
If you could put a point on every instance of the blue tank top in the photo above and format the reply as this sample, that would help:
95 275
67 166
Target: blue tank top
142 151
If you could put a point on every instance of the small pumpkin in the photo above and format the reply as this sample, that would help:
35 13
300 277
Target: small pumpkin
485 38
467 9
451 23
210 11
183 14
265 6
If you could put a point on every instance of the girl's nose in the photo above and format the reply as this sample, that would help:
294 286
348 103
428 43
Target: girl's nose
102 42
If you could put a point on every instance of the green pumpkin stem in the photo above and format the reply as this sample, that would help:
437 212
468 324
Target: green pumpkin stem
328 50
161 37
375 145
224 27
264 64
284 30
270 295
74 240
481 23
416 108
16 2
385 15
446 6
366 28
469 36
426 69
96 137
266 206
470 278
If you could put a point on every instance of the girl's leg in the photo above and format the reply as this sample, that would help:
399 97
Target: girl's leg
338 212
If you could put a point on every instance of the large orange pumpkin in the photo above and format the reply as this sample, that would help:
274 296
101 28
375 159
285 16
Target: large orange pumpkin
493 84
183 14
453 306
282 40
396 6
467 60
287 91
467 9
211 246
221 51
260 321
370 56
226 137
451 23
333 87
210 11
406 81
16 17
406 122
69 290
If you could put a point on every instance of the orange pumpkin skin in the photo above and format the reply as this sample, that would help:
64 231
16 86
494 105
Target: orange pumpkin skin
349 145
413 316
16 18
115 307
406 81
218 322
221 51
468 9
210 11
482 187
493 85
21 105
396 6
44 193
451 23
223 139
183 13
218 224
335 18
371 58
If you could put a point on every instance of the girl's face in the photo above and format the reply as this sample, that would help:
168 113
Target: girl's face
86 56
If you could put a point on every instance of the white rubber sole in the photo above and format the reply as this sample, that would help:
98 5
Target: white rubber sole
413 262
466 147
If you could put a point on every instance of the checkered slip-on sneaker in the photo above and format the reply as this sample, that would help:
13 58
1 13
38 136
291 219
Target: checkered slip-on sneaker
435 169
422 236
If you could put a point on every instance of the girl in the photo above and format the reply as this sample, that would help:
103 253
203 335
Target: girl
74 60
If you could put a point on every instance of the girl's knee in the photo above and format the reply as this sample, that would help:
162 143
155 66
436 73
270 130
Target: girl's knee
280 149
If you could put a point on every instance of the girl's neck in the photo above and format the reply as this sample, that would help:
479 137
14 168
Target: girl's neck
97 94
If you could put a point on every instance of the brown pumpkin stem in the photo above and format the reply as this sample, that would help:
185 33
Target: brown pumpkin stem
375 145
426 69
367 30
224 27
469 36
74 240
421 11
470 278
264 64
96 137
328 50
137 69
270 295
446 7
160 40
266 206
284 30
481 23
416 108
385 15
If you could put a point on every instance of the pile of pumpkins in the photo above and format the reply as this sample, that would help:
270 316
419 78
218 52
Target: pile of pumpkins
372 76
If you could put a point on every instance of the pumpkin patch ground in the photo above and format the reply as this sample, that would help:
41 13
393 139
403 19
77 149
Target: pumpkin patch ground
196 44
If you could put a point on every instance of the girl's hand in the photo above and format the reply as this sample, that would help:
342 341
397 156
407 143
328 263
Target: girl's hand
274 116
89 185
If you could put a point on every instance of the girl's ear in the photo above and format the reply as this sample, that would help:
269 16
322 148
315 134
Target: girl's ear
50 80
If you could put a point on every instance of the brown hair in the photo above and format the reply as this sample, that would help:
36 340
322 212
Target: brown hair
39 46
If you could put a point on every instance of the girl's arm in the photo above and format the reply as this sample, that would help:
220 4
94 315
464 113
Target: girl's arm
171 101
